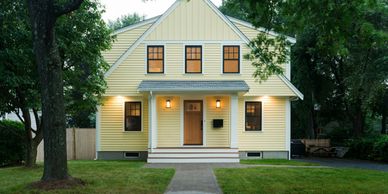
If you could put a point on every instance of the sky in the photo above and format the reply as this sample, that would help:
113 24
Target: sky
116 8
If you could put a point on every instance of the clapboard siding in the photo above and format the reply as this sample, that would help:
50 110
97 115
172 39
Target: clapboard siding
272 137
217 137
169 122
112 134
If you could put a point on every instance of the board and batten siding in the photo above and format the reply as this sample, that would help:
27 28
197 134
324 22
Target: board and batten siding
272 137
112 134
193 20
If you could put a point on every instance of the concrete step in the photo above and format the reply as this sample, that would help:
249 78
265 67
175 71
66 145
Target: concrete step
193 160
194 150
193 155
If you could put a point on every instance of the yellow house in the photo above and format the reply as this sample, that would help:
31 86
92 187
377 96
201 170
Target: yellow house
179 90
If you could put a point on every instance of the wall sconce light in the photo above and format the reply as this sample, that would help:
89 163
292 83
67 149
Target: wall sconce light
218 103
168 104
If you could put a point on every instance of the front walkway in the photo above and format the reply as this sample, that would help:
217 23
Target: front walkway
346 163
200 179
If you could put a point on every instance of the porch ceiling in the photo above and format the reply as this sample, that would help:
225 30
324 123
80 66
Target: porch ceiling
193 85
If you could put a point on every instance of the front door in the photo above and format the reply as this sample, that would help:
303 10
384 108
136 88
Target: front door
193 122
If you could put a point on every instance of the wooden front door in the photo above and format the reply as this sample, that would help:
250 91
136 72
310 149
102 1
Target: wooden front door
193 119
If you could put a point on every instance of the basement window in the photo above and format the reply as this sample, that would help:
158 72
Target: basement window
131 154
254 154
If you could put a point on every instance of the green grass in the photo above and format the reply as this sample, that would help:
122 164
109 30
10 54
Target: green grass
301 180
100 177
278 162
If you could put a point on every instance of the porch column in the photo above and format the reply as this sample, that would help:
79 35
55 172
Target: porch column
233 121
153 126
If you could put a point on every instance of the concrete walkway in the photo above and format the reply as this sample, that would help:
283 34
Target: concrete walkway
346 163
200 178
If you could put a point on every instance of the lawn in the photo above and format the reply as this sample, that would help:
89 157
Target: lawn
100 177
301 180
278 162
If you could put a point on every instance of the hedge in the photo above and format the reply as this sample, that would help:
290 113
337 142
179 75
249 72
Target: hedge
12 143
369 148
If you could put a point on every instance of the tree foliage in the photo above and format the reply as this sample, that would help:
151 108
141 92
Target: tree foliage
339 61
125 20
81 36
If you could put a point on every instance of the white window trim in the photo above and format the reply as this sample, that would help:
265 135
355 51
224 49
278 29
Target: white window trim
222 59
146 60
262 115
202 58
142 115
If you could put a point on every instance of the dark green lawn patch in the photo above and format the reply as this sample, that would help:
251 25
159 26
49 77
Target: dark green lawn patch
278 162
301 180
99 176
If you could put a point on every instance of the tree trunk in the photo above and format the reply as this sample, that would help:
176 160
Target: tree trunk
384 123
51 83
358 123
43 15
30 162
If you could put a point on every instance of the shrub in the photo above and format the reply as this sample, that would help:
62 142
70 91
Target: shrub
380 148
369 148
12 143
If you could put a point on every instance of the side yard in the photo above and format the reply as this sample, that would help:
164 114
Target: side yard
100 177
301 180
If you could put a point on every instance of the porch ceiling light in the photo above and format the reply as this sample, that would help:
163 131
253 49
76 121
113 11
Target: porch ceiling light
168 104
218 103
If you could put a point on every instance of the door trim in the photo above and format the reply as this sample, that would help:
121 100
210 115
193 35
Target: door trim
182 113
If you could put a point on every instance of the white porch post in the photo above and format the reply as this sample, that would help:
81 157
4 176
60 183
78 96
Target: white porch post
288 127
153 127
233 121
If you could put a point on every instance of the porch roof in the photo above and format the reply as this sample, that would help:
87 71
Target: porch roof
193 85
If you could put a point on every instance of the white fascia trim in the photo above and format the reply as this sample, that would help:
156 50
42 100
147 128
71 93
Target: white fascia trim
142 37
227 21
249 25
291 86
136 25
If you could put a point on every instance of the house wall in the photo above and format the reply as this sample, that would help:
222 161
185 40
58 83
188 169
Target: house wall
187 22
122 42
112 135
273 134
125 79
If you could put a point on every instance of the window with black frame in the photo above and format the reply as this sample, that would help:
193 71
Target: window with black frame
193 59
155 59
253 116
133 116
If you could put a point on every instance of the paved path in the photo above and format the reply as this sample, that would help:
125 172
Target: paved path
200 178
346 163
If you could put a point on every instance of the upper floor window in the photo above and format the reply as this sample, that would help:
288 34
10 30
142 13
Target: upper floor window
253 114
155 59
132 116
193 59
231 59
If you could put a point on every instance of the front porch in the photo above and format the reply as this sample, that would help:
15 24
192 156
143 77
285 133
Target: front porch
193 124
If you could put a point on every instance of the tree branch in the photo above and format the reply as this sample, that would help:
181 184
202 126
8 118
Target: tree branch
20 118
67 8
37 120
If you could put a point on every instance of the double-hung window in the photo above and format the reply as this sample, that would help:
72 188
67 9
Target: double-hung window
133 116
253 116
193 59
155 59
231 63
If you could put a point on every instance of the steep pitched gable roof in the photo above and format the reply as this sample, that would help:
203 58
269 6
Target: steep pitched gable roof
160 19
